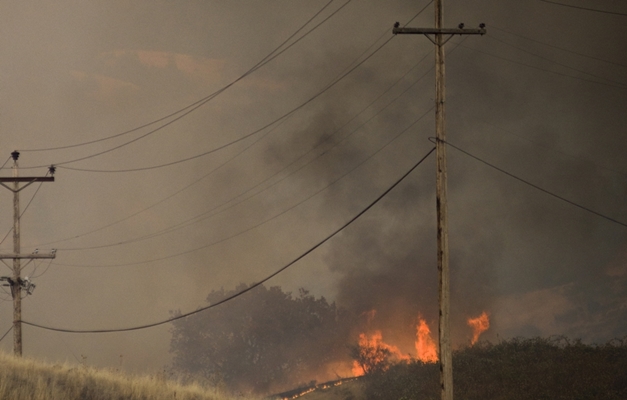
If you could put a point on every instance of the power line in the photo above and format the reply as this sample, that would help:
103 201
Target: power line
585 8
302 105
558 47
5 163
252 286
207 214
555 62
24 210
269 57
197 105
579 158
164 199
6 333
537 187
33 276
542 69
267 219
326 139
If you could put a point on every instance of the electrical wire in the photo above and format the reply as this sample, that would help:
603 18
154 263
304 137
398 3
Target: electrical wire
542 69
563 153
5 163
6 265
534 185
6 333
209 213
165 198
24 210
221 147
199 104
267 219
252 286
557 47
622 84
585 8
269 57
33 276
326 139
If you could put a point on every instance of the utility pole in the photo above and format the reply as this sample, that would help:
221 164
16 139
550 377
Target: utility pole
438 33
16 282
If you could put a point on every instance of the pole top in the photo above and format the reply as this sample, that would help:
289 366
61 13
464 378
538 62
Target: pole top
15 155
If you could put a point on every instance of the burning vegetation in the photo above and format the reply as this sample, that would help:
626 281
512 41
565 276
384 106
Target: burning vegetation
270 340
479 325
372 354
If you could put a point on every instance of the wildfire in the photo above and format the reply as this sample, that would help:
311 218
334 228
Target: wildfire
479 325
370 348
378 353
425 346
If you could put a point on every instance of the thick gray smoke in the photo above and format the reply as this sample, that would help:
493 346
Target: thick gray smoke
77 73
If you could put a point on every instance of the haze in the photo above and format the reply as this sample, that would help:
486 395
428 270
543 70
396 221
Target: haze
542 96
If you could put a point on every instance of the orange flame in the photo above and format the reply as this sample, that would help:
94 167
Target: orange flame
368 345
479 325
425 346
357 370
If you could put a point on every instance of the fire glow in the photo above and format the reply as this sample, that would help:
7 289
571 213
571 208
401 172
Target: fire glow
479 325
369 345
426 348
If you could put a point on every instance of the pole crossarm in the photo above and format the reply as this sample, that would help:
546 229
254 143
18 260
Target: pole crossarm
14 256
28 179
434 31
450 32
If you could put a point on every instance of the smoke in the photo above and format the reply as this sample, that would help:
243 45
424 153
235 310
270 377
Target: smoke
539 266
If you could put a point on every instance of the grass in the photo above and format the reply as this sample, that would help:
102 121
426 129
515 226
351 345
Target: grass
29 379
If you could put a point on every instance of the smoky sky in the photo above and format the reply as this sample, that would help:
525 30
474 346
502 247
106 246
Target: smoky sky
538 96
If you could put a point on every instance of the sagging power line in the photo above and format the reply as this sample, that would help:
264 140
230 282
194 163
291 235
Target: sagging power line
251 287
193 106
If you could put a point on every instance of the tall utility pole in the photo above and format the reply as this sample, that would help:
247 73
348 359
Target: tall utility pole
16 282
439 33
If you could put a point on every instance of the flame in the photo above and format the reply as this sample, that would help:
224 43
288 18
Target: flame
425 346
479 325
368 346
357 370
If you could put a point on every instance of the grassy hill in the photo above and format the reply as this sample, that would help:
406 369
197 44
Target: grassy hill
25 379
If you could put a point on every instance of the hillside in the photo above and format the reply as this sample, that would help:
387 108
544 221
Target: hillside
25 379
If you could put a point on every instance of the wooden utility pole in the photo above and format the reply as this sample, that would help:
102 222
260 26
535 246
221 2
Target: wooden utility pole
16 282
439 33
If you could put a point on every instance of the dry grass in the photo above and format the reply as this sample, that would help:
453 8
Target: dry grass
32 380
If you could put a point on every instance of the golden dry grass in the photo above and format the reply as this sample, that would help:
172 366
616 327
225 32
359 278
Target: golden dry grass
26 379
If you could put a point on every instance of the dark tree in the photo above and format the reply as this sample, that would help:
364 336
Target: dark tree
262 341
372 358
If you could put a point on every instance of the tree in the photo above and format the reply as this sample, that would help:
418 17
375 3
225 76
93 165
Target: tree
263 340
371 357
